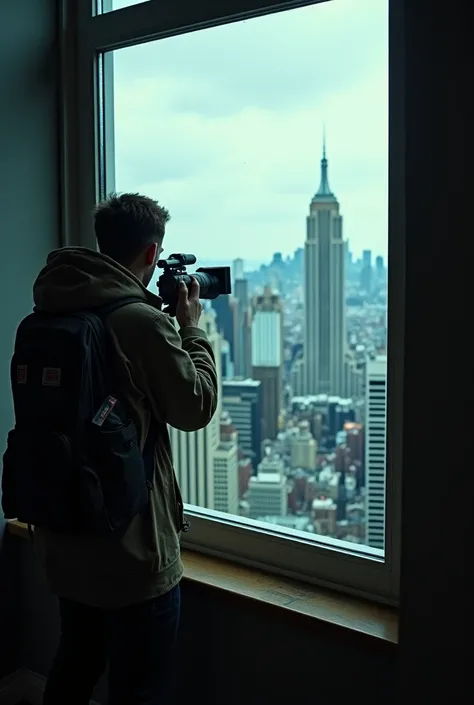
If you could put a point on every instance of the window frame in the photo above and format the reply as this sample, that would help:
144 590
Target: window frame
85 37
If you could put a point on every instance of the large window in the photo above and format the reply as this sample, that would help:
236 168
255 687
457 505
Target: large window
267 139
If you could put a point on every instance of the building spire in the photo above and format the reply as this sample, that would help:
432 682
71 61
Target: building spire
324 189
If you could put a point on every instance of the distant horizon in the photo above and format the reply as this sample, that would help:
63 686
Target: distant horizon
251 265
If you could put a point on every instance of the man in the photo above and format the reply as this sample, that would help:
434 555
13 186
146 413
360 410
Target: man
119 596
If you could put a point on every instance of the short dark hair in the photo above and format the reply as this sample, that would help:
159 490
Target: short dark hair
126 224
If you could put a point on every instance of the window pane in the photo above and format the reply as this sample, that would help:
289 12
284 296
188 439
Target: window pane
268 142
109 5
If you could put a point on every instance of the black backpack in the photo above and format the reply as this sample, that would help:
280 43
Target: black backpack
73 462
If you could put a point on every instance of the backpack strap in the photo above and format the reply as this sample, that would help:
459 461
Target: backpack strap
149 452
149 448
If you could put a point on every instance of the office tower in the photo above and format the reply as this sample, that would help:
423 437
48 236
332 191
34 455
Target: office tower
193 453
355 440
245 473
367 259
324 289
268 493
303 448
227 365
298 264
338 412
225 306
366 272
375 439
243 400
355 445
238 269
354 381
380 272
297 378
348 255
242 329
226 468
344 413
267 357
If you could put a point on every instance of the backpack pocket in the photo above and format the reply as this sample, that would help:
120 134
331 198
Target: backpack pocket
40 479
113 484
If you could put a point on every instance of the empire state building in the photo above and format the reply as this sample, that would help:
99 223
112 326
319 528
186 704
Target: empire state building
324 293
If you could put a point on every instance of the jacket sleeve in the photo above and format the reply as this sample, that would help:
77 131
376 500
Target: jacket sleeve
180 374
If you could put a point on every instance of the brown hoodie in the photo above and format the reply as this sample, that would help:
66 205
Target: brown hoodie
162 372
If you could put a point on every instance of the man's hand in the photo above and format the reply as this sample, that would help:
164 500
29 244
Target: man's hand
188 308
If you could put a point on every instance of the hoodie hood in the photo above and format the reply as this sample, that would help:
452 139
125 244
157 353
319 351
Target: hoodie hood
76 278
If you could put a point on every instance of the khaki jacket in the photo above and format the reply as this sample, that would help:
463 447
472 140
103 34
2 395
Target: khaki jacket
162 372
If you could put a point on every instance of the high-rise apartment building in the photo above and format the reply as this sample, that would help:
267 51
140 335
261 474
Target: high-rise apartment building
375 452
267 357
242 399
324 289
193 453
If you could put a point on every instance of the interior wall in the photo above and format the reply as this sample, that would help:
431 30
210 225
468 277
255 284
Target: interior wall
233 650
29 209
437 513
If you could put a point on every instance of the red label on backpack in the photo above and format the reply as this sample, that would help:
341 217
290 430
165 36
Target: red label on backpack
51 376
21 374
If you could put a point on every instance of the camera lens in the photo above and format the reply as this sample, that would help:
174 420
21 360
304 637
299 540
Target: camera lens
208 285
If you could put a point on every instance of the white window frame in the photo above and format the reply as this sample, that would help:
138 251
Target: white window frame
85 36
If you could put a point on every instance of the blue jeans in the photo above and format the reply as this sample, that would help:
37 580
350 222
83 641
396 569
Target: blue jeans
137 642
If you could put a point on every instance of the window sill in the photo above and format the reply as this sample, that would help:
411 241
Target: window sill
341 611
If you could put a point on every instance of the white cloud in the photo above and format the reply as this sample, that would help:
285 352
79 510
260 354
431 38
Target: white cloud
237 160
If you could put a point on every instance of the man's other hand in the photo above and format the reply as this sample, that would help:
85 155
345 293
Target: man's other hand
188 308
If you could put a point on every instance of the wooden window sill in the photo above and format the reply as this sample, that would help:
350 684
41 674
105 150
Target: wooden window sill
372 620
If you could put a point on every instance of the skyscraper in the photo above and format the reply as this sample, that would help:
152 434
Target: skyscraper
224 306
226 468
324 289
242 328
375 439
380 272
193 453
267 357
366 272
242 400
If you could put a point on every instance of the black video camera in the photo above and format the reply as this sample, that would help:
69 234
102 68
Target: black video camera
213 281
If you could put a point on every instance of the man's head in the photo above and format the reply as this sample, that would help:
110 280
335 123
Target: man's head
130 229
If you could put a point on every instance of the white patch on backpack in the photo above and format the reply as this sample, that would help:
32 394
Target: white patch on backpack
21 374
51 376
104 411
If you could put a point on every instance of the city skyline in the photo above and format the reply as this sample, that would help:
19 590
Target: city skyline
298 440
237 144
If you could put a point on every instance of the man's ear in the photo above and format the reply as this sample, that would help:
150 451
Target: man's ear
150 254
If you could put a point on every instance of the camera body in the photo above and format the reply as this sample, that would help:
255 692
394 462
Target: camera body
213 281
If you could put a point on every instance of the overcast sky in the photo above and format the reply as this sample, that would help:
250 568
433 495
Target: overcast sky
224 127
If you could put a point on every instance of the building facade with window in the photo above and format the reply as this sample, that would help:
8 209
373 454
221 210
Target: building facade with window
375 453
